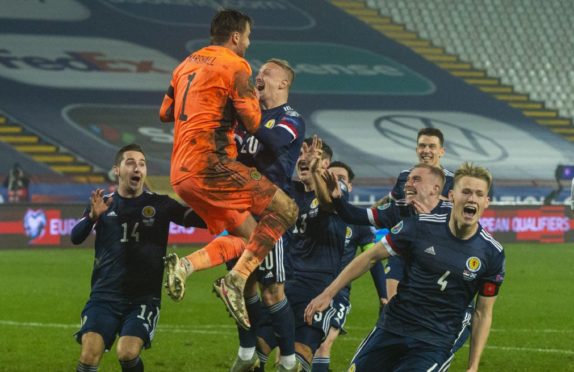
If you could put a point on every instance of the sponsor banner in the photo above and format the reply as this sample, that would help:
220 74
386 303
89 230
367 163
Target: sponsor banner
83 62
327 68
43 10
117 126
48 225
544 224
267 14
391 135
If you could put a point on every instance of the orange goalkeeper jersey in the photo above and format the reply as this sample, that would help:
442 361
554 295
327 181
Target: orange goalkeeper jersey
210 90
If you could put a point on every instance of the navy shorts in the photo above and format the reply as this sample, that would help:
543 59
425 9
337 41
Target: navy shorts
383 351
112 319
312 335
272 269
342 308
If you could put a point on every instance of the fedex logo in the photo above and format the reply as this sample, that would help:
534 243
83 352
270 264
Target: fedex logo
78 61
83 62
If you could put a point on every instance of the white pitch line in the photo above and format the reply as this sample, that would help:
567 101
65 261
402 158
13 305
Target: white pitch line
220 329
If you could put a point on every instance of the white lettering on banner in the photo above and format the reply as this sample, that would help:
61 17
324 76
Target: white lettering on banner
536 224
549 224
176 229
83 62
495 224
338 69
59 226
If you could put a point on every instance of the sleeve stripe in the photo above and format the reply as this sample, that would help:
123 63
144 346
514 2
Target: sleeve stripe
374 217
291 129
371 217
388 244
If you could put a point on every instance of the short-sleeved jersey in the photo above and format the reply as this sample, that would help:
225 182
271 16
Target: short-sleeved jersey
398 191
391 213
317 242
442 276
131 241
277 163
355 237
209 92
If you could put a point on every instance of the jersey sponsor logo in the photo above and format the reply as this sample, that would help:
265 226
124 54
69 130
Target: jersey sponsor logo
270 124
255 175
384 206
44 10
348 233
473 264
468 276
112 214
430 250
148 211
83 62
397 228
292 113
328 68
315 203
199 12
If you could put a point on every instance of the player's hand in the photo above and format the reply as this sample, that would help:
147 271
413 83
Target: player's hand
97 204
319 303
332 185
313 153
384 200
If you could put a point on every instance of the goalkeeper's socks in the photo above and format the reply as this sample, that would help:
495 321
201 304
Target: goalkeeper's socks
134 365
81 367
321 364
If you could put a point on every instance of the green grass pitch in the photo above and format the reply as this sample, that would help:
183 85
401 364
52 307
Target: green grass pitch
43 290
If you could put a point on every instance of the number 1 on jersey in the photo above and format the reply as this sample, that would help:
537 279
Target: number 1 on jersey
183 116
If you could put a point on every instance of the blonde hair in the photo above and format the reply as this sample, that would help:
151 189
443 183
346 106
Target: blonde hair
468 169
285 66
435 171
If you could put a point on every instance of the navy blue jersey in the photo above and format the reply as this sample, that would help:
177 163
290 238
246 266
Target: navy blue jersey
131 241
275 147
442 276
355 237
317 242
384 216
398 191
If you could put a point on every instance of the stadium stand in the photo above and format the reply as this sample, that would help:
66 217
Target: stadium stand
516 41
369 74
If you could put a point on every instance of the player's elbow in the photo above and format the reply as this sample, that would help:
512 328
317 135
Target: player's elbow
166 117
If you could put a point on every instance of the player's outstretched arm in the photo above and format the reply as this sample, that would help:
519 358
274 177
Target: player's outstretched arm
355 269
97 207
481 323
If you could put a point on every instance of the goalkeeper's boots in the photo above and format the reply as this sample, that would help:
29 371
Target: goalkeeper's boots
229 289
176 274
240 365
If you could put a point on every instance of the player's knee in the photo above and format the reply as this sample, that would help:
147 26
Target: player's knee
90 357
263 347
272 294
128 351
304 351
